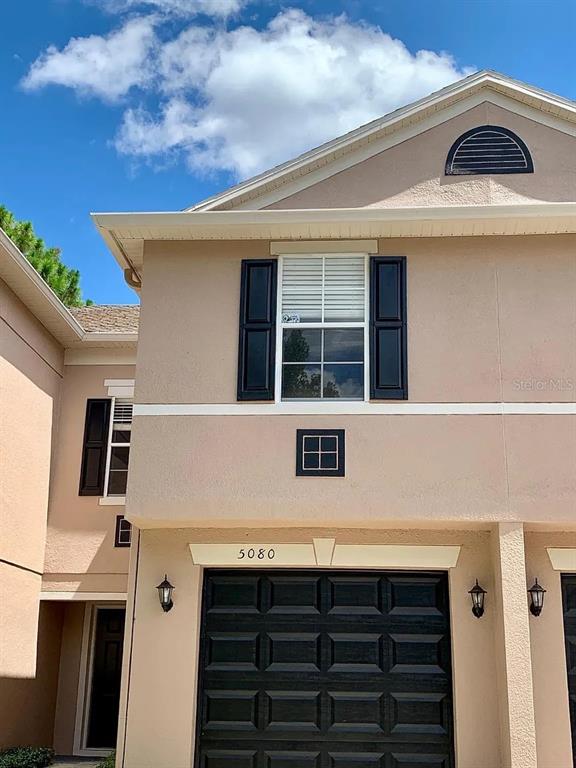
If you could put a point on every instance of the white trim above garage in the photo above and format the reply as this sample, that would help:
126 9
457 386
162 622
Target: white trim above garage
325 553
562 559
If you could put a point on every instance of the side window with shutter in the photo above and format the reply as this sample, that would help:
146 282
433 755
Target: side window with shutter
92 473
388 332
257 343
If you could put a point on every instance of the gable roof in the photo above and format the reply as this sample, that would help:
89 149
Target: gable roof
485 81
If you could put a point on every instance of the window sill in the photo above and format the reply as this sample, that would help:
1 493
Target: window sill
112 501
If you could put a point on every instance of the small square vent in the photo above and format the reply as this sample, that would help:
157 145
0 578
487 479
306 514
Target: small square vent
320 453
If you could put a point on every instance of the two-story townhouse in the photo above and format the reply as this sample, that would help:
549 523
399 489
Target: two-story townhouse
354 403
66 383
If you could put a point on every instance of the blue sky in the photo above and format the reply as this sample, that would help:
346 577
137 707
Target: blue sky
112 105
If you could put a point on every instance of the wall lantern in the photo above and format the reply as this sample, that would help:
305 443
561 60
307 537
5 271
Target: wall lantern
536 593
477 594
165 594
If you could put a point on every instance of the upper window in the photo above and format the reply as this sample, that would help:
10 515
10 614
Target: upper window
488 149
323 319
118 447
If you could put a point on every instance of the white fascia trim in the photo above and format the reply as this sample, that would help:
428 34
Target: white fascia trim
25 267
101 336
104 596
516 91
354 408
140 224
118 382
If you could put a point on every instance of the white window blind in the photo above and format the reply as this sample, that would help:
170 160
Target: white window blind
122 411
323 288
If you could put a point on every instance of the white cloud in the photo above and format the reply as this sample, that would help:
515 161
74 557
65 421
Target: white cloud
103 66
181 8
244 99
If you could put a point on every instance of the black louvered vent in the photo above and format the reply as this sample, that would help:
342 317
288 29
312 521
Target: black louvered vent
488 149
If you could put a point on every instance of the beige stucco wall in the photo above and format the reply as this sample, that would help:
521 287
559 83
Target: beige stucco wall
489 319
240 470
80 541
31 364
68 677
160 729
27 705
412 172
553 731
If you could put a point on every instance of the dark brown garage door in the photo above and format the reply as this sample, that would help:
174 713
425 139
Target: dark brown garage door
569 603
325 670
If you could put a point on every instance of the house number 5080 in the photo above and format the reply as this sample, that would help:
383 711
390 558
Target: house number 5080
256 554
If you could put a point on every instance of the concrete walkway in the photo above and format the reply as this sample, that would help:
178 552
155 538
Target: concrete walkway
74 762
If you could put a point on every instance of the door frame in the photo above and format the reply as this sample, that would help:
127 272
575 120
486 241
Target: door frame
84 695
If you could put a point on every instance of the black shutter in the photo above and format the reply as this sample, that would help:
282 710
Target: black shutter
256 357
388 347
94 448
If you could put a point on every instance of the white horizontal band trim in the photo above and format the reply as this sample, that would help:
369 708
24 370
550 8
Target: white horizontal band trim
324 246
47 595
562 558
354 408
112 501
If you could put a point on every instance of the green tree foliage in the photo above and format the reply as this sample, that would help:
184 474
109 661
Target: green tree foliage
65 282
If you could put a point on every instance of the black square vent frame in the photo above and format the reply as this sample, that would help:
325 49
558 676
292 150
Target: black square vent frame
320 453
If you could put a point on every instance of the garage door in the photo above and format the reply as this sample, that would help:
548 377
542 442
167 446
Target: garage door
569 604
325 670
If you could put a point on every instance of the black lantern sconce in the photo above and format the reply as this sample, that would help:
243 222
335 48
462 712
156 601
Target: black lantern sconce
536 593
165 590
477 594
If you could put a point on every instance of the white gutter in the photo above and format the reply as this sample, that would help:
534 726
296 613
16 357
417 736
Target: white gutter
131 226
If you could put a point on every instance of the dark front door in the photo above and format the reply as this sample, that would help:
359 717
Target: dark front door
325 670
569 605
106 671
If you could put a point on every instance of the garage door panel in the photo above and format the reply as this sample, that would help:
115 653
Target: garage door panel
294 759
292 710
345 669
229 595
355 652
417 597
417 654
356 760
231 710
294 596
293 652
420 761
233 758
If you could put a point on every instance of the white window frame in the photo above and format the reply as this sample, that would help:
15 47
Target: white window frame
110 445
280 326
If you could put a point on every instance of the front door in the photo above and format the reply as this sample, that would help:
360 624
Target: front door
325 670
569 606
106 672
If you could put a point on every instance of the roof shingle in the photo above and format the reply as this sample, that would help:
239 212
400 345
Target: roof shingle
108 318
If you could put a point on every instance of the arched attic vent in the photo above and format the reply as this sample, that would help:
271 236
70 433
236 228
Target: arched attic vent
488 149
